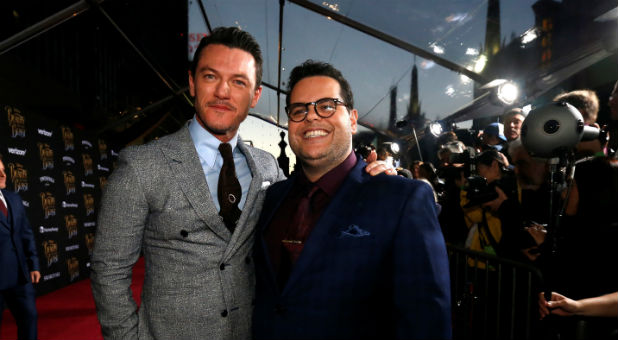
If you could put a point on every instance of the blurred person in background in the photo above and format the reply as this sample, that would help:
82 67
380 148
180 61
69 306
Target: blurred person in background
533 195
586 256
416 165
612 102
19 262
513 120
493 137
587 103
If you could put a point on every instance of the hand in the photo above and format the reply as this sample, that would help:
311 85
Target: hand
495 204
35 276
538 233
378 167
531 253
504 159
559 305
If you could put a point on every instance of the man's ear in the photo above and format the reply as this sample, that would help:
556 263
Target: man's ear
191 85
256 96
353 120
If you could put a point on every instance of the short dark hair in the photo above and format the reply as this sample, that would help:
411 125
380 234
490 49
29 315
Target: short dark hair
364 150
311 68
489 156
232 37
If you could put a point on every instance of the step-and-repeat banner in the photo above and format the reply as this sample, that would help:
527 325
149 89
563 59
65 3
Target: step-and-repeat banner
59 172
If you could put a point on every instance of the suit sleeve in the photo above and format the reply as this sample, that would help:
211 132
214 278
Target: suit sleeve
421 281
121 222
280 176
28 242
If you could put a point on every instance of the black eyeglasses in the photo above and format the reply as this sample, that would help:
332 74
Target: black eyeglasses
324 107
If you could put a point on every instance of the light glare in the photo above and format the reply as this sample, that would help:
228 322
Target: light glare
435 128
508 93
480 64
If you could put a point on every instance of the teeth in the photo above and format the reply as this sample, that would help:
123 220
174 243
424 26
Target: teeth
315 133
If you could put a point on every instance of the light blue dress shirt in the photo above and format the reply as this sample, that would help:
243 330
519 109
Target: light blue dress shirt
207 147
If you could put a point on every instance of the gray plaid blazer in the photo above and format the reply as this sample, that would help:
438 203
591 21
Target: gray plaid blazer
199 278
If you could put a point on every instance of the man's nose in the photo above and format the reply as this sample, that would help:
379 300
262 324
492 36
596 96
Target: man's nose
312 113
222 90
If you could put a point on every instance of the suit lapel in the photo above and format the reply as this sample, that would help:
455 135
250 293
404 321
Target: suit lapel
340 205
185 164
4 221
271 205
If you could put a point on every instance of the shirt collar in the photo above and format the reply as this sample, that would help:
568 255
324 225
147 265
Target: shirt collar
332 180
206 144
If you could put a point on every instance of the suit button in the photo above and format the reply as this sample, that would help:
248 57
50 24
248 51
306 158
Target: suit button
222 266
224 313
248 260
280 309
184 233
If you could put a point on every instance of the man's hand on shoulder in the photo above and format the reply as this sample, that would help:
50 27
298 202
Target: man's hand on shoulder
378 167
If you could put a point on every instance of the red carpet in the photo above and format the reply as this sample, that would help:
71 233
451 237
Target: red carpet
69 313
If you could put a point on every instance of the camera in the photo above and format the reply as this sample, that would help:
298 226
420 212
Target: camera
479 191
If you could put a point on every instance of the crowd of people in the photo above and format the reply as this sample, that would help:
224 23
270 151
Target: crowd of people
495 198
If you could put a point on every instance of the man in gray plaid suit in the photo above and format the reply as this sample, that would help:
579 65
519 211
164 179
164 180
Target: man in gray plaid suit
162 200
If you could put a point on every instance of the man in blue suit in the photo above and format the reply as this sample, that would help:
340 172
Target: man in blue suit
19 263
340 254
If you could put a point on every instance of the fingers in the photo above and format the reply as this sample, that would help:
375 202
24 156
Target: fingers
378 167
35 276
543 310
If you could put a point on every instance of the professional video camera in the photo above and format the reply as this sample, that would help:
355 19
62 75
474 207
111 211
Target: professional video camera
555 129
461 154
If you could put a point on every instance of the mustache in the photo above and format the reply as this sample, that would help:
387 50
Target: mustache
227 104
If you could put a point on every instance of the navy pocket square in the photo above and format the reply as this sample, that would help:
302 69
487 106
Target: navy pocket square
353 231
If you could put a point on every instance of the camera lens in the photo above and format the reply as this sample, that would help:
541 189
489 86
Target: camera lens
551 126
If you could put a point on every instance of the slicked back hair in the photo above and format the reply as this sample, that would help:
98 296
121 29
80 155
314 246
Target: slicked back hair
232 37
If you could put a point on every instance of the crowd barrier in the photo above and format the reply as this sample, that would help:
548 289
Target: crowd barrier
493 297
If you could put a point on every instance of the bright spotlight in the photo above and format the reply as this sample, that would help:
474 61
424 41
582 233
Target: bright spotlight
435 128
508 93
395 148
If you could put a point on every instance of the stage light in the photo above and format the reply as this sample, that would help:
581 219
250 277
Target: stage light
391 147
436 128
507 93
395 148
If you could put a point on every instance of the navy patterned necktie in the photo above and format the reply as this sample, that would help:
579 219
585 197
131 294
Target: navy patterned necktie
229 191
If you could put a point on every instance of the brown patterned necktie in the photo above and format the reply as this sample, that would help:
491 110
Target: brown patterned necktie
229 191
3 209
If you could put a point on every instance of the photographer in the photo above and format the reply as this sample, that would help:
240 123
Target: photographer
491 209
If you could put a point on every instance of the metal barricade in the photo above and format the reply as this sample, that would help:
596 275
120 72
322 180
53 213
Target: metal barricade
493 297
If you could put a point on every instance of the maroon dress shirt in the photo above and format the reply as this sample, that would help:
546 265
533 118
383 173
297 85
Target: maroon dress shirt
289 229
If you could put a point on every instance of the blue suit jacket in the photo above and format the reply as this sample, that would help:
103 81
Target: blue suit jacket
374 266
17 246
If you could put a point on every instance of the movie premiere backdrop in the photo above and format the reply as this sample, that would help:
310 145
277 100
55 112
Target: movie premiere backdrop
58 171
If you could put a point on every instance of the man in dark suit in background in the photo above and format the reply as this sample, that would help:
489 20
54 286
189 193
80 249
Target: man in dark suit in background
19 263
340 254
